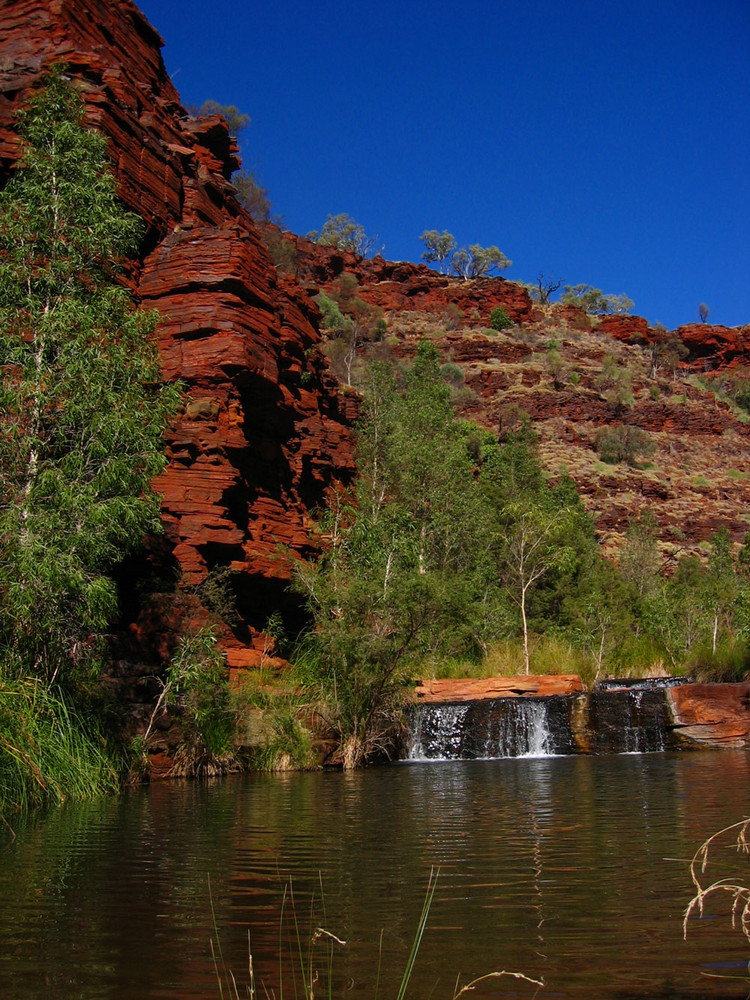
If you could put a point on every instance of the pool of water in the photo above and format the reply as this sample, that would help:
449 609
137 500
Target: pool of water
573 870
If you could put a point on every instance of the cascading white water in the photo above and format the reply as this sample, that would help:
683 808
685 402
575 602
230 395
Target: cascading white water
524 731
436 732
638 735
507 727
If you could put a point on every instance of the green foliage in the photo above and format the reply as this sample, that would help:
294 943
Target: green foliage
499 319
624 443
333 319
344 233
437 247
198 689
616 383
401 565
351 323
556 367
252 196
453 374
595 302
283 252
236 120
287 745
49 751
703 312
81 413
666 351
477 261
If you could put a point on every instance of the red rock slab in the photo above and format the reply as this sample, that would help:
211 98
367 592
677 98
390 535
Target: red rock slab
720 345
479 689
715 714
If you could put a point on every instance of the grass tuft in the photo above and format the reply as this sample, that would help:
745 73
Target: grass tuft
49 751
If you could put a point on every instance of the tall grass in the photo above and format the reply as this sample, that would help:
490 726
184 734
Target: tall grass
727 850
505 658
49 752
307 978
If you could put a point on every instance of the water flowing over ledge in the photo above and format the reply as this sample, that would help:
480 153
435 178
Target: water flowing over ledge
461 720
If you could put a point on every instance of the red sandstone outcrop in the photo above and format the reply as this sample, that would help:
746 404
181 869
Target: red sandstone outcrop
263 430
448 690
714 714
715 346
394 286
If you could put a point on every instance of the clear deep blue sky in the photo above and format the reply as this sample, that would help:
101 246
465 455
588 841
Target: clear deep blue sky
604 142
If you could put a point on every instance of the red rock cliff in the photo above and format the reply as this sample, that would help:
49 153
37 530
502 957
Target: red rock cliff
262 430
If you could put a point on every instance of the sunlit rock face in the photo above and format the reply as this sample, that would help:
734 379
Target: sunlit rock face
714 714
262 431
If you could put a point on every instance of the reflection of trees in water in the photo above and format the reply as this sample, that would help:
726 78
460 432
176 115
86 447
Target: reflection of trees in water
554 867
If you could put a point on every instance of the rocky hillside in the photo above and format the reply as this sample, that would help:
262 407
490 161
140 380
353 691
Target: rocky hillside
576 376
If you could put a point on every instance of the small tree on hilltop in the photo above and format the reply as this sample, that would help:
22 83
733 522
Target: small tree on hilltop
344 233
595 302
544 288
477 261
703 312
438 247
236 120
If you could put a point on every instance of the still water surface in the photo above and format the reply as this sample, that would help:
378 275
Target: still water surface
571 869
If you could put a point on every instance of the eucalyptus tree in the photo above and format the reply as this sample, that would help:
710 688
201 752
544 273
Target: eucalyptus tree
405 560
82 412
438 247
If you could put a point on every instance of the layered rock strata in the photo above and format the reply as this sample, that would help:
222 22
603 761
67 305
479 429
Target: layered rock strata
262 432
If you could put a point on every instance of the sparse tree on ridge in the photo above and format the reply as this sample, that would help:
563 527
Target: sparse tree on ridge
542 290
438 247
595 302
236 120
703 312
477 261
344 233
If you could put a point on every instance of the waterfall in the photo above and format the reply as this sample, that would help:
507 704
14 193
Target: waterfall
633 718
629 720
501 727
436 732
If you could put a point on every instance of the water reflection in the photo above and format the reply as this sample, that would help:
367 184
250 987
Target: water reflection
569 869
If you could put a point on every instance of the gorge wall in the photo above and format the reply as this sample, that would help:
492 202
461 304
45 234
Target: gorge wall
263 430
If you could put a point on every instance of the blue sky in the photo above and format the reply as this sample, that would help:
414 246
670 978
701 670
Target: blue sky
606 143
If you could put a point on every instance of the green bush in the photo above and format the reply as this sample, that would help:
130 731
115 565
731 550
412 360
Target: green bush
49 751
452 373
499 319
198 688
624 444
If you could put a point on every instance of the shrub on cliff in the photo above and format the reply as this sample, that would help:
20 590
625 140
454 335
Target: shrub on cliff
344 233
499 319
595 302
83 416
624 444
